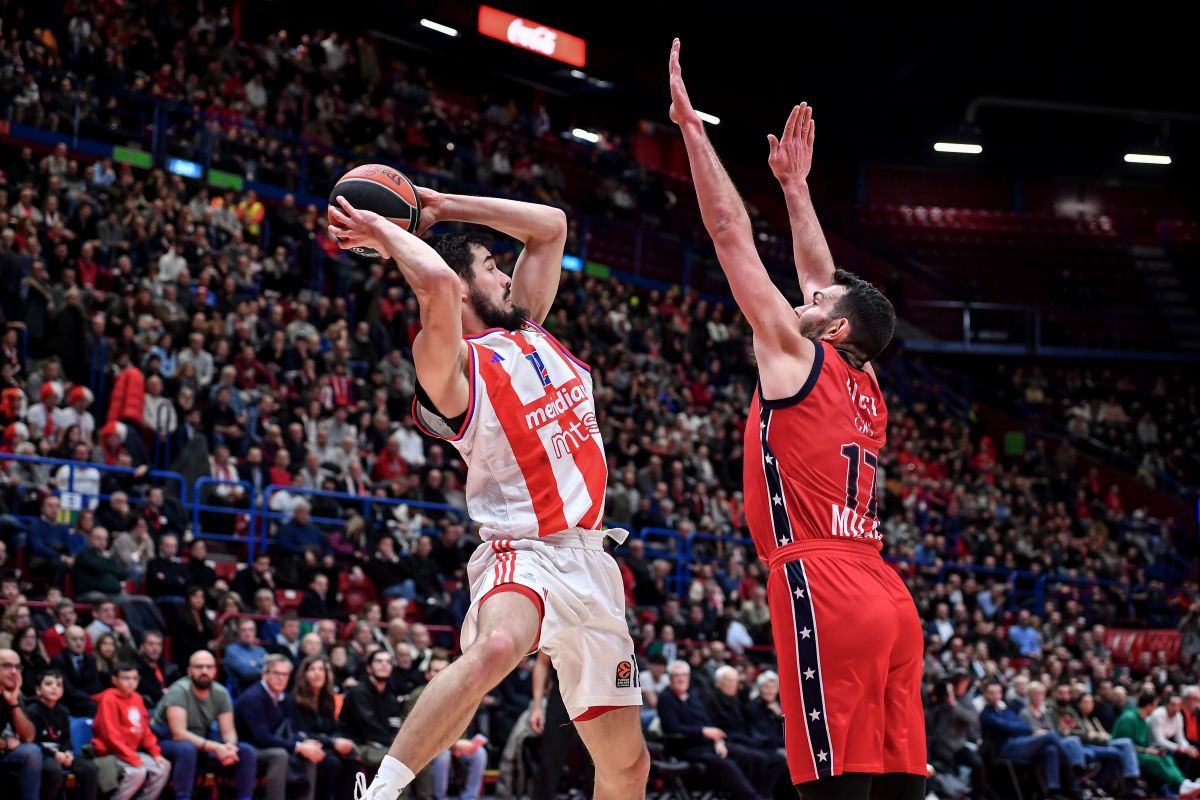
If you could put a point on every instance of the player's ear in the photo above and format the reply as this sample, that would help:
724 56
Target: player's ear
837 330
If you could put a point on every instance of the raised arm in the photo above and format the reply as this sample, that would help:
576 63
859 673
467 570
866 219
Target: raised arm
776 328
439 352
541 229
790 161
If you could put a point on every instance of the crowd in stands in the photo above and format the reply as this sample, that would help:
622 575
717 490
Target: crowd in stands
1150 419
150 325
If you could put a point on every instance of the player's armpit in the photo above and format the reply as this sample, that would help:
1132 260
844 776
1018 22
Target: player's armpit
441 371
783 367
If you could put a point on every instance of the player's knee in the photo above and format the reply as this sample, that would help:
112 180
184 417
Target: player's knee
494 657
629 767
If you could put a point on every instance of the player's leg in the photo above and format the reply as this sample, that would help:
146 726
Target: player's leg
615 742
847 786
508 626
898 786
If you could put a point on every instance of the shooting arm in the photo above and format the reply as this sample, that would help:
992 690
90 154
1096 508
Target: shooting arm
541 229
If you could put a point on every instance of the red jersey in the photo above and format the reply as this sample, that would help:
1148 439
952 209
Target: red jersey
811 459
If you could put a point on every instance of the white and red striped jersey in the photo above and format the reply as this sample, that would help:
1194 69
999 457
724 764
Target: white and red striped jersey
535 460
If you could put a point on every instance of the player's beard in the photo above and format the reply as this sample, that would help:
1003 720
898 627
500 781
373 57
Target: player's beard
492 316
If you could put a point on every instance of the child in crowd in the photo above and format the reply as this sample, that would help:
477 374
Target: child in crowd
122 729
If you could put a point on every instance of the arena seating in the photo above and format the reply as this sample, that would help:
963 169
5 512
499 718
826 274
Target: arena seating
986 531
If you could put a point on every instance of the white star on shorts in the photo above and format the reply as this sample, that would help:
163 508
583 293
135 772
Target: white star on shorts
799 593
815 715
805 633
769 459
809 673
778 500
823 755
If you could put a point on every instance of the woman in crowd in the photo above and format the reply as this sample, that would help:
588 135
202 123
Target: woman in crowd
28 645
16 616
766 714
105 649
190 627
312 710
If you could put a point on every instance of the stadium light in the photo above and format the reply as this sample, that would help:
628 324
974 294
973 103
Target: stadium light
1146 158
958 147
709 118
439 27
587 136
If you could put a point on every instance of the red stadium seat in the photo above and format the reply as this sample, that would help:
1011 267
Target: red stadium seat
287 599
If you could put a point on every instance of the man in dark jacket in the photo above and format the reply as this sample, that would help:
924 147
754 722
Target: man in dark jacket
154 673
688 727
81 680
371 715
258 575
315 603
95 571
166 574
259 714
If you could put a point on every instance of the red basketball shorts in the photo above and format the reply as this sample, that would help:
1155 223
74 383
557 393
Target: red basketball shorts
850 651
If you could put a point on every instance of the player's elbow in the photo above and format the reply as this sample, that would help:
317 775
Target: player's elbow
437 282
729 223
556 224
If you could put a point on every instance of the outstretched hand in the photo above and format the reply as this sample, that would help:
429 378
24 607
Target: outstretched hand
354 227
682 112
791 156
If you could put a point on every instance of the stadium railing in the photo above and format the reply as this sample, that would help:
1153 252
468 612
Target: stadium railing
152 475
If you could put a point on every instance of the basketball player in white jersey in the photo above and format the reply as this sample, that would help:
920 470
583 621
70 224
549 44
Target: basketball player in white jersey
518 406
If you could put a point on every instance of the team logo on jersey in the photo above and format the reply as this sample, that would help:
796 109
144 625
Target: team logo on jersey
539 366
624 675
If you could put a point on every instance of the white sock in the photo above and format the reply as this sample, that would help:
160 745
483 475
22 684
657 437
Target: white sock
395 772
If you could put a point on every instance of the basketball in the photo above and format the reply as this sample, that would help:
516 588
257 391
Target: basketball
379 188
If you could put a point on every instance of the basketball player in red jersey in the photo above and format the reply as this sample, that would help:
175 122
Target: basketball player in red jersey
518 406
846 629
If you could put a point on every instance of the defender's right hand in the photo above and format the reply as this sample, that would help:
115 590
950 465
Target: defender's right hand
791 157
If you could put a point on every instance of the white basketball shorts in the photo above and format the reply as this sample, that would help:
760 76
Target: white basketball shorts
577 586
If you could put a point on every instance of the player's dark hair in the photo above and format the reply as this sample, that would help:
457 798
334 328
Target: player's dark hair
872 318
455 250
1146 699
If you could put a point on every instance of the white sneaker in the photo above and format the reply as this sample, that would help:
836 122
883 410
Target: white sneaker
1189 788
379 789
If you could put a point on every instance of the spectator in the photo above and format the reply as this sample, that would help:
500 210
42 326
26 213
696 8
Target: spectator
54 637
32 655
95 571
154 674
256 576
743 773
49 544
105 620
371 714
244 659
312 711
190 627
260 715
765 713
315 603
182 722
122 729
20 758
166 574
1191 714
302 544
1167 733
952 723
54 735
81 679
1097 740
1013 738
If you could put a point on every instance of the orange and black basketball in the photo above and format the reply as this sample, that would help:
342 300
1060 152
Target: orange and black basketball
386 191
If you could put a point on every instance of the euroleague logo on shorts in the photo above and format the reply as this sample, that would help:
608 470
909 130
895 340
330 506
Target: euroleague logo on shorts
624 674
